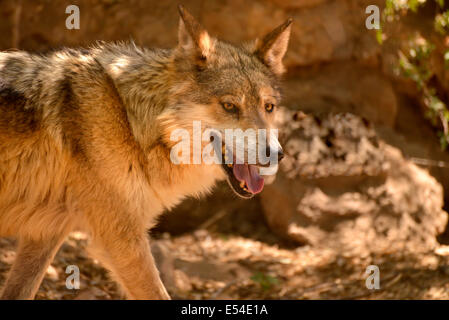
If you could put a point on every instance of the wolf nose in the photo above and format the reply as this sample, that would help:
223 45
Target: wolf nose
280 155
279 152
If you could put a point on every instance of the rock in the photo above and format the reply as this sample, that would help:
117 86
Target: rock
340 187
7 257
322 31
92 293
179 275
193 213
52 273
343 87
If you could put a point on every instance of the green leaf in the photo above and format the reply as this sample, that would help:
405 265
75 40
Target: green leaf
264 280
443 140
441 22
413 5
379 36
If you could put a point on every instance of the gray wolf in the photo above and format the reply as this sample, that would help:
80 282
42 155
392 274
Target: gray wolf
85 143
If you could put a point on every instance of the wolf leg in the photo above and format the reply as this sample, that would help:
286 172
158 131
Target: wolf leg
32 260
132 266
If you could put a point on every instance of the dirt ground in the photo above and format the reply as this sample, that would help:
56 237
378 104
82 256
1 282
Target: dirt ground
233 257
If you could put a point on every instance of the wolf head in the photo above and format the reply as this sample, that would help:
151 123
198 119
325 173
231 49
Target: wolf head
227 89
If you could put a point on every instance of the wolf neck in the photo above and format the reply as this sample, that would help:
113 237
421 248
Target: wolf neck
143 79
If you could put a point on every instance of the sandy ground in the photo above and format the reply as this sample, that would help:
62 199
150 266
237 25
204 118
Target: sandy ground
211 264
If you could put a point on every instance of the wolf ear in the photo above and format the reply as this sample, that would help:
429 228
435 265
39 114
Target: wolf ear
271 49
192 37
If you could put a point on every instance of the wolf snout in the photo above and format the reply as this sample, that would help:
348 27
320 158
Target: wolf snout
280 155
275 151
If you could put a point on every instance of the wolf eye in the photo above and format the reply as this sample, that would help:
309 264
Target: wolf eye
229 107
269 107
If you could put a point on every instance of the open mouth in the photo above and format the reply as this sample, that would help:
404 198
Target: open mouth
244 179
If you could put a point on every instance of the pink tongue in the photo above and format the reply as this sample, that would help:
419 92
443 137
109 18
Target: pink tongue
249 174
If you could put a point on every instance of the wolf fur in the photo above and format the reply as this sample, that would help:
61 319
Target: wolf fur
85 143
